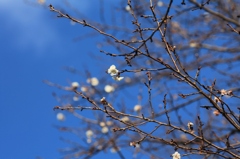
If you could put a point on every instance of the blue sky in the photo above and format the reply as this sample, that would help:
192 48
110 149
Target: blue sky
35 45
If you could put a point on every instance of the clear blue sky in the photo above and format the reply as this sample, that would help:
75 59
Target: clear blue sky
35 45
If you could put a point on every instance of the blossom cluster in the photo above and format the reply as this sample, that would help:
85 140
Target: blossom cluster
113 71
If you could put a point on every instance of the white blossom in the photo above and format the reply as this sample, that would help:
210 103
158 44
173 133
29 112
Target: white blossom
116 78
190 125
216 112
75 85
160 3
60 116
193 44
103 100
137 108
109 123
75 98
102 124
176 155
223 92
125 119
230 93
84 89
109 88
112 70
137 145
134 144
127 8
217 99
227 93
93 81
89 133
104 130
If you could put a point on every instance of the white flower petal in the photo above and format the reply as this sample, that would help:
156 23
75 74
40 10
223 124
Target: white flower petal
102 124
84 89
125 119
75 84
127 8
75 98
109 88
93 81
105 130
160 3
116 78
112 70
89 133
137 108
176 155
60 117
